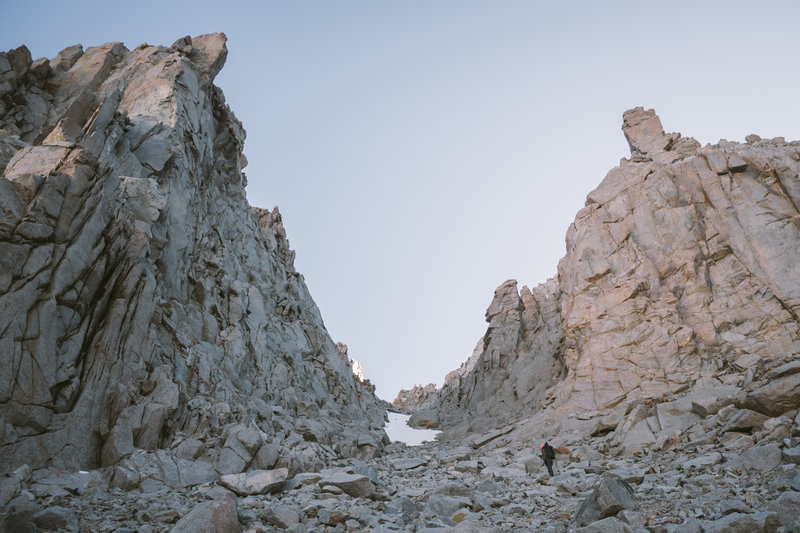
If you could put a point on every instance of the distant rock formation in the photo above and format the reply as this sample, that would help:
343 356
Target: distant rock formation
418 397
681 270
144 305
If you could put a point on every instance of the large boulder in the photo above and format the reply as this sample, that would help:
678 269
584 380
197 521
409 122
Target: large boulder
610 497
776 397
762 458
217 516
356 485
787 507
764 522
256 481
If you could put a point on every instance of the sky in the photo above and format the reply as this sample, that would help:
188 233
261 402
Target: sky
423 152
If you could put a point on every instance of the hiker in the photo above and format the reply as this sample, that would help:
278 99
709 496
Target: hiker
548 456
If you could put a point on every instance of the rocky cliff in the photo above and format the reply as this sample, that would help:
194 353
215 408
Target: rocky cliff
681 274
418 397
144 305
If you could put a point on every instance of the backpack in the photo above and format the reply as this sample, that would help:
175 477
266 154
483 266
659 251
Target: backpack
548 452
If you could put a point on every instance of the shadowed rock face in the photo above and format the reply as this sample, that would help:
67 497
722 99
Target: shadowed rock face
143 303
681 268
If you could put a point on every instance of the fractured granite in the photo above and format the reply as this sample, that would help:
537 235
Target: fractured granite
144 305
680 274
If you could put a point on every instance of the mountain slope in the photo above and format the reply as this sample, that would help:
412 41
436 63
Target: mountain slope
143 303
681 274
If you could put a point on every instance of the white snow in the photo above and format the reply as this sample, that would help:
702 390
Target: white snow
398 429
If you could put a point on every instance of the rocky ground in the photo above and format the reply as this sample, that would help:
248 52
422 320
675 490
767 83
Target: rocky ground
732 479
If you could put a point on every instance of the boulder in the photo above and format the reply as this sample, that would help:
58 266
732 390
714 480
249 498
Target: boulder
787 507
763 522
408 463
710 403
256 481
446 506
765 458
776 397
611 496
745 420
19 522
218 516
425 418
791 455
282 516
606 525
708 459
356 485
56 517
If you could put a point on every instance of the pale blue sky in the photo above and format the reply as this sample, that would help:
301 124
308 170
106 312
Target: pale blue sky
424 152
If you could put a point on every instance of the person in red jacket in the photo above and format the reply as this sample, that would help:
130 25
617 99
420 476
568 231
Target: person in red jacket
548 456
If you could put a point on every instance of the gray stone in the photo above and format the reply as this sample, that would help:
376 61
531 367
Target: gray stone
355 485
745 420
787 507
791 455
119 443
124 478
401 505
55 517
192 473
709 459
217 516
690 525
9 487
455 489
743 523
19 522
611 496
445 506
710 404
764 458
776 397
408 463
733 506
606 525
282 516
256 481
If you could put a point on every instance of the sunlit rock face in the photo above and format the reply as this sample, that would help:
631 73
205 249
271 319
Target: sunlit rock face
415 398
681 269
144 304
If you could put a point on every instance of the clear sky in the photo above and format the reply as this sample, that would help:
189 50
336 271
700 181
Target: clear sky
423 152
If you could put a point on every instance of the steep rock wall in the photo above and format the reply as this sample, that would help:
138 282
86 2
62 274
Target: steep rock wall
143 303
681 270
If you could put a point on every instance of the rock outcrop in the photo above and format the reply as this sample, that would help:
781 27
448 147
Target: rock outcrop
415 398
681 273
144 305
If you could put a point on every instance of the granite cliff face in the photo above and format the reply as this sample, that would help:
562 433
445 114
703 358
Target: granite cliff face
681 275
144 305
418 397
